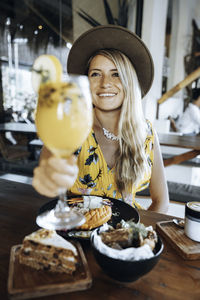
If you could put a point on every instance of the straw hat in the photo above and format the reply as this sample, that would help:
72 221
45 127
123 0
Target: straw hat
112 37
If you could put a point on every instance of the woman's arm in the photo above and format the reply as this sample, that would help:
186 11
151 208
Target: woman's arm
158 185
54 173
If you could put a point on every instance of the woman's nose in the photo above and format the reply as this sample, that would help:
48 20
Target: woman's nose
105 81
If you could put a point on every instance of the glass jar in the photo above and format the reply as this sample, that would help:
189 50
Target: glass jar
192 220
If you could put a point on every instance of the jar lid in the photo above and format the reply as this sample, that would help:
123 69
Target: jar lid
193 209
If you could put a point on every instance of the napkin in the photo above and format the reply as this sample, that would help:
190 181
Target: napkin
130 254
92 202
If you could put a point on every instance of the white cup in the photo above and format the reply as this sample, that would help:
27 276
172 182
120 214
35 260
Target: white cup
192 220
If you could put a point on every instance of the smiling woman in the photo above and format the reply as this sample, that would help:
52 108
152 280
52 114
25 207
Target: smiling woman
121 155
106 87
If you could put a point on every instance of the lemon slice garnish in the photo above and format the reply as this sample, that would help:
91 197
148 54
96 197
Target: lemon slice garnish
45 68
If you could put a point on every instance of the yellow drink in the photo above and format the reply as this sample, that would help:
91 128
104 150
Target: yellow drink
63 117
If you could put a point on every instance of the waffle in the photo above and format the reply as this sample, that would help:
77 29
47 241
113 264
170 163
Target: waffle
97 217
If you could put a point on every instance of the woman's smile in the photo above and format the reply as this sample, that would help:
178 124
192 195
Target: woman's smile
106 94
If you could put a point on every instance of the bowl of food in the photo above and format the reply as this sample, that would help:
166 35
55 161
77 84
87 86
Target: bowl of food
127 252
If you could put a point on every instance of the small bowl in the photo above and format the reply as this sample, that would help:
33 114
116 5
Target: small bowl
124 270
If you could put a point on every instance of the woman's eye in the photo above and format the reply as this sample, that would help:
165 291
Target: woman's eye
94 74
116 74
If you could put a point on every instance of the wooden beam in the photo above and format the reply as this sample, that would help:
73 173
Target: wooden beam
180 158
185 82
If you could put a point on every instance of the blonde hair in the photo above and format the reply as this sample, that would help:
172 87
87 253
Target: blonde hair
131 163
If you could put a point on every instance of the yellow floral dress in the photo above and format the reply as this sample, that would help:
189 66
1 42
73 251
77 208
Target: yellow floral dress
96 178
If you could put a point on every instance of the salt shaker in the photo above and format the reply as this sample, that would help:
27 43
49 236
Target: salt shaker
192 220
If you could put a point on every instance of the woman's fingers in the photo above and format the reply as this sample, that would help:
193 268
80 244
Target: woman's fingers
53 174
43 184
65 181
61 172
63 166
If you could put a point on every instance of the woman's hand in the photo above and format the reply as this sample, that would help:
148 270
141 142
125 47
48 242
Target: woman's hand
54 173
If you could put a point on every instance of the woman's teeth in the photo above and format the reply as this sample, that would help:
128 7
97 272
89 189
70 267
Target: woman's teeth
106 95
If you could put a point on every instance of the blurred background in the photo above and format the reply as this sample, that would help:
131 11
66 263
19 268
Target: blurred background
29 28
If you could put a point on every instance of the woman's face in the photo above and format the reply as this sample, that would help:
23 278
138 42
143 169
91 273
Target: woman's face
105 84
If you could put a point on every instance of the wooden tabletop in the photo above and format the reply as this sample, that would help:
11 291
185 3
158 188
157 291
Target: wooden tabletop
191 143
172 278
18 127
180 141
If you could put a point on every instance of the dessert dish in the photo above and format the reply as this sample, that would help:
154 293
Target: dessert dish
128 241
97 211
124 252
97 217
129 234
46 250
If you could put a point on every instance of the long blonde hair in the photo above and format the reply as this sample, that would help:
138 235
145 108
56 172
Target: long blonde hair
131 163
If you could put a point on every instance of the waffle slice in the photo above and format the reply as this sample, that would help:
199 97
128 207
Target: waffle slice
97 217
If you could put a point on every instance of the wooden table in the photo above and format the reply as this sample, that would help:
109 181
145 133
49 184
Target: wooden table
172 277
180 141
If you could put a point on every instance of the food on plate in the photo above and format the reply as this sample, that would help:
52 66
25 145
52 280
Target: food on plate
129 234
97 210
82 234
46 250
97 217
128 241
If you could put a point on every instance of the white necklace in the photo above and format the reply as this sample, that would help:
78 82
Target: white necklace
109 135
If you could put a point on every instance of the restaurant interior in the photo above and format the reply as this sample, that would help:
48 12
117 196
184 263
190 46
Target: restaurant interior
32 28
171 30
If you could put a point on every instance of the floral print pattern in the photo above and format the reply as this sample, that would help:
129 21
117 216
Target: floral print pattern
96 178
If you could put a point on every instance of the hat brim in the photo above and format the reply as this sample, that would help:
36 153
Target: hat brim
112 37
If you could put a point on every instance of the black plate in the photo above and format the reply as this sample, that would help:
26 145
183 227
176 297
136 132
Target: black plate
120 210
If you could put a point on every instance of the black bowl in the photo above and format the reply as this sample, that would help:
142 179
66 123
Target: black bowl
126 271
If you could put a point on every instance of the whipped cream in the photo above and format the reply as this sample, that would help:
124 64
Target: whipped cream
50 238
